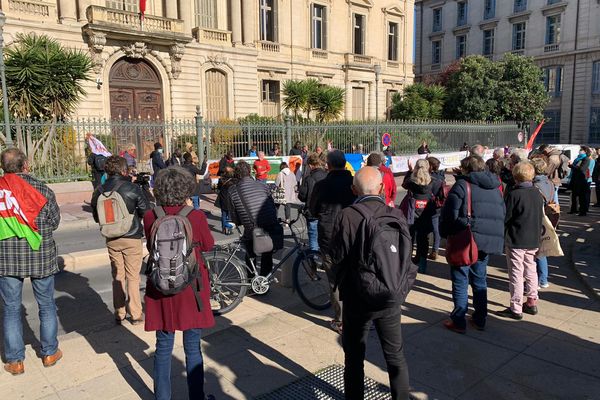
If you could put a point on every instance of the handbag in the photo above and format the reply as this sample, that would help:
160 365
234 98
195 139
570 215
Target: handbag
549 242
261 239
461 248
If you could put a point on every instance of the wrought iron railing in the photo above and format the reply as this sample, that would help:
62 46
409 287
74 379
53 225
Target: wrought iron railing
57 149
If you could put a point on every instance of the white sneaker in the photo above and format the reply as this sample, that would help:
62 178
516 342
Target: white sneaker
544 286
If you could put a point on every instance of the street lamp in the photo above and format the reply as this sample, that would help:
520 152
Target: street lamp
7 134
377 69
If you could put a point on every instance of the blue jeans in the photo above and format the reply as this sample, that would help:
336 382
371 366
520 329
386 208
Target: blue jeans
193 364
11 289
556 195
435 221
461 278
225 220
542 270
313 234
196 202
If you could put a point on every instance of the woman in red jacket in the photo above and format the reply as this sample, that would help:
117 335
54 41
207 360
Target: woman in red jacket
179 312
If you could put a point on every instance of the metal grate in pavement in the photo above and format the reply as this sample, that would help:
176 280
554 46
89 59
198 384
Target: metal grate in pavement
327 384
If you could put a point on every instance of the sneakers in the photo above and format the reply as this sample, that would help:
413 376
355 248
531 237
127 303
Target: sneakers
544 285
449 324
508 313
531 310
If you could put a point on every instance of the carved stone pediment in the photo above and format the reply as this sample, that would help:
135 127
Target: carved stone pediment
361 3
135 50
393 11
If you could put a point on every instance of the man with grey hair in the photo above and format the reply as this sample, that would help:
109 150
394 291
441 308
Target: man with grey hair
363 283
27 250
478 150
516 156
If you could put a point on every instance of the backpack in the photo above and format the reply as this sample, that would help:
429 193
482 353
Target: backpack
441 197
413 208
385 271
99 162
113 215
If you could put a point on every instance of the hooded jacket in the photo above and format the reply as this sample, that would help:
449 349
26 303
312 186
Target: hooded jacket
554 162
488 211
545 186
287 179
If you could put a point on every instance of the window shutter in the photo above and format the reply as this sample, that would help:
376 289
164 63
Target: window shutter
363 34
325 27
312 27
276 20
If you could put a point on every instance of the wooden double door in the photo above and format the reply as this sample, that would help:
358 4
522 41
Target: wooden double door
136 98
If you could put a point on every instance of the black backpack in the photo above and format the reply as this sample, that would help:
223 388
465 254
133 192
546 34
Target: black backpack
99 162
385 271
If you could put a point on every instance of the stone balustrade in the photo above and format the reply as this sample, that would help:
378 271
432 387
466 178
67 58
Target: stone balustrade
271 47
29 9
132 20
204 35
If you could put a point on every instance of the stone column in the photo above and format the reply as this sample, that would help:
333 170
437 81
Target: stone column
187 15
250 22
348 100
67 9
372 100
171 9
236 22
83 5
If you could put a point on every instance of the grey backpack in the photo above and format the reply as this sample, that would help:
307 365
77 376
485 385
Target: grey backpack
172 263
113 216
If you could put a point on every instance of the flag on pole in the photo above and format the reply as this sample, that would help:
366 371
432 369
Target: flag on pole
143 11
20 204
533 135
97 147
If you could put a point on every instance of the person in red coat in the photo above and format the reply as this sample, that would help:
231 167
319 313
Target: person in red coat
179 312
377 160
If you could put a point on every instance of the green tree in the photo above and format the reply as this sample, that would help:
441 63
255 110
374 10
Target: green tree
419 101
45 80
521 95
328 101
472 90
309 95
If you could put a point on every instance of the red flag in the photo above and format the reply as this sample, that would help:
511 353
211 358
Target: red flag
143 7
533 136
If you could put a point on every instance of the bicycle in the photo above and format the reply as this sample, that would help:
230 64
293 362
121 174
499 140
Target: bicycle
229 281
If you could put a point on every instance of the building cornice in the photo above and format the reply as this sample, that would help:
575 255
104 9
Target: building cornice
489 23
519 17
437 4
556 8
459 30
437 35
361 3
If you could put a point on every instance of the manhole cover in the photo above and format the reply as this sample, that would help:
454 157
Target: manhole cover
328 384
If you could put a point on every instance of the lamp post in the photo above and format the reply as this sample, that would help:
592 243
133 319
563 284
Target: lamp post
8 137
377 69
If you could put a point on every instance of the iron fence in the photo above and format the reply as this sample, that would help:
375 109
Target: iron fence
57 148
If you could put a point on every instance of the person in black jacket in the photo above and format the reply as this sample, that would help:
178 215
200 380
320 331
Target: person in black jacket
419 208
317 173
438 182
330 196
487 225
358 314
226 161
596 176
197 173
523 227
251 205
580 182
424 148
125 252
97 163
157 160
226 180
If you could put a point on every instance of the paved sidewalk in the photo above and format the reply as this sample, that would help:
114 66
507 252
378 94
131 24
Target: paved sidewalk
271 340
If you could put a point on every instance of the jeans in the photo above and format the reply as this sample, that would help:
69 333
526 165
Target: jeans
11 289
196 202
266 260
435 221
313 234
556 195
354 341
542 270
193 364
475 275
225 220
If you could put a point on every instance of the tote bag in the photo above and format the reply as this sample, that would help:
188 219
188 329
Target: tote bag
549 242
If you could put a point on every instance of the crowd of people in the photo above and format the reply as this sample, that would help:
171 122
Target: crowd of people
364 241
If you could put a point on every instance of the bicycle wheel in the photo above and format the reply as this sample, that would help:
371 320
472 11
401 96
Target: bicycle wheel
227 282
310 281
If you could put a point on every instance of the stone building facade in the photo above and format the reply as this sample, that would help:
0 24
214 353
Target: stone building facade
562 36
230 57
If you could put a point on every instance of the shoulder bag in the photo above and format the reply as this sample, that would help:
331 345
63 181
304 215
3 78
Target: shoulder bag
261 239
461 249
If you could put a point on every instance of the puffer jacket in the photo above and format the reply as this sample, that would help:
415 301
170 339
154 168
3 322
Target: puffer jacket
251 205
331 195
545 186
308 184
488 211
135 200
553 167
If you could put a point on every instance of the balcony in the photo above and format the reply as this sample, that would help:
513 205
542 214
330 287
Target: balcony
549 48
271 47
320 54
35 10
131 20
212 36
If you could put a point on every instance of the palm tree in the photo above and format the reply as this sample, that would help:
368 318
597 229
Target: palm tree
300 96
329 103
44 79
